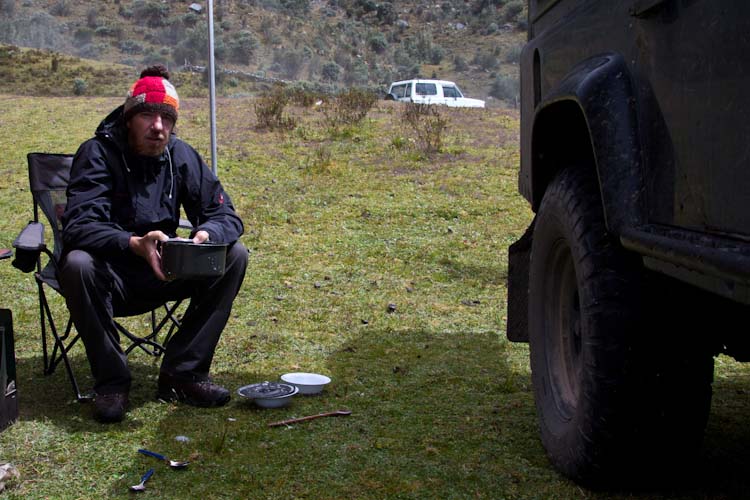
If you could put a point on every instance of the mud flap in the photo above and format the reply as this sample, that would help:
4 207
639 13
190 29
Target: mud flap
519 254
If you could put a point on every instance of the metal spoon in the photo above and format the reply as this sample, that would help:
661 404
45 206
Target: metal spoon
175 464
142 485
302 419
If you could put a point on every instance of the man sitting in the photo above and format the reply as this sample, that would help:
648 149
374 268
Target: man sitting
127 185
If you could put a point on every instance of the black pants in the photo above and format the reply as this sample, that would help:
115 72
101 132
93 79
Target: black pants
96 290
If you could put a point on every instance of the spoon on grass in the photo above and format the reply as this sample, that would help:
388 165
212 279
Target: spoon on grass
142 485
175 464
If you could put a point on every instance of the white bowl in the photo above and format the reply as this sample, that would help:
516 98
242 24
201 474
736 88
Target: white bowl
308 383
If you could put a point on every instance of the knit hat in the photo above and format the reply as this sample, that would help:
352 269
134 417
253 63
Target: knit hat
152 92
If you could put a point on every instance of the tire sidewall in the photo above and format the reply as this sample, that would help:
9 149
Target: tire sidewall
570 216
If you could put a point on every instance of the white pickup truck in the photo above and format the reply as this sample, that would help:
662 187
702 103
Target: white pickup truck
431 92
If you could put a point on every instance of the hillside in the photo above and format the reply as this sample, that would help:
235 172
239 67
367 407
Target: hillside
324 43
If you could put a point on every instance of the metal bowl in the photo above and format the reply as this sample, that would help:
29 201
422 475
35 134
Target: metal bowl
307 383
187 260
268 394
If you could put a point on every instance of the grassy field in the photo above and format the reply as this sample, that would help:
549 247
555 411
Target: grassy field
371 262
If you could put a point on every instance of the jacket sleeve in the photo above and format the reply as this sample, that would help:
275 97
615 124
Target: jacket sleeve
207 205
87 222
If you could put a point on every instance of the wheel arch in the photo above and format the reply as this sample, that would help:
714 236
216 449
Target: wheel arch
589 121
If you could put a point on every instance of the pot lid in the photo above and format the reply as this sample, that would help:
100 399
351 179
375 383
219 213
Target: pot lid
266 390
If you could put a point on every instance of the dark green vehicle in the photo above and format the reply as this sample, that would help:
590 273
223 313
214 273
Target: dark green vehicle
635 273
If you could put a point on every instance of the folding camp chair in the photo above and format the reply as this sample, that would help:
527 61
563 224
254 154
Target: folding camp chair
49 175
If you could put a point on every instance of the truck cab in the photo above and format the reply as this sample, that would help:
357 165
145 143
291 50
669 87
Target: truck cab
636 268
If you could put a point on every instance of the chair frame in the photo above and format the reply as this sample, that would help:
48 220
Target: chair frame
63 344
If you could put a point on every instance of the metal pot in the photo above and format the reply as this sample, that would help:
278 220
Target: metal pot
187 260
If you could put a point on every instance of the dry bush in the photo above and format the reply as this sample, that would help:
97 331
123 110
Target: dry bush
348 108
269 109
427 123
303 97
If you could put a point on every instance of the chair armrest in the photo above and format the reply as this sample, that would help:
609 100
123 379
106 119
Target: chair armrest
29 244
31 238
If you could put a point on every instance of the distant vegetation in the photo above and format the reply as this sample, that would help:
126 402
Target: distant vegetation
332 44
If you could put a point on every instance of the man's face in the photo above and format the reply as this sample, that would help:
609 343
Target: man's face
148 133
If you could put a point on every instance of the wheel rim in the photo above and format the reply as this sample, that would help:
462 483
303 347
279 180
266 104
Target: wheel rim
563 339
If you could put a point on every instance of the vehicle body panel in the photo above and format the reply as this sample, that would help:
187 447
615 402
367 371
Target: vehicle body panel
657 89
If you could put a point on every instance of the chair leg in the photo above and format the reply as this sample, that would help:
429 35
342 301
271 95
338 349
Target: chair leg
144 343
59 349
149 344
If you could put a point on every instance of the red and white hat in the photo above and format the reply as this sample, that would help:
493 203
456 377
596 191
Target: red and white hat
152 92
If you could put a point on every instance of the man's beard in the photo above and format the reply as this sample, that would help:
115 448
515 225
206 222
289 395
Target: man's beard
150 145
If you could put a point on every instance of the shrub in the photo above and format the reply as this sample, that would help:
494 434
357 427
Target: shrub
505 87
296 6
110 31
91 50
398 143
486 60
241 47
459 63
348 108
436 54
302 96
83 36
330 71
513 9
92 16
377 43
125 12
269 110
514 54
321 160
152 14
79 86
7 7
387 13
366 6
193 47
427 123
130 47
61 8
289 62
358 73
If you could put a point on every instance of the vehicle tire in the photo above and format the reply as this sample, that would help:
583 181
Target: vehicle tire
390 97
616 391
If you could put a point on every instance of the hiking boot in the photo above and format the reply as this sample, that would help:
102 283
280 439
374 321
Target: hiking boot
202 393
111 407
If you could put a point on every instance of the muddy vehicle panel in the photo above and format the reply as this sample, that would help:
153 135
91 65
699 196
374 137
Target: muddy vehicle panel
635 270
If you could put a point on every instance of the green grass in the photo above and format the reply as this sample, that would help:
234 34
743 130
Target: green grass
338 230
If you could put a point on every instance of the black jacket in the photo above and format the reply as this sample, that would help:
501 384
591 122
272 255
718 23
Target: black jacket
114 194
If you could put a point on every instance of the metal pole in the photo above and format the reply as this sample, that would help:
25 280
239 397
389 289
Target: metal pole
212 84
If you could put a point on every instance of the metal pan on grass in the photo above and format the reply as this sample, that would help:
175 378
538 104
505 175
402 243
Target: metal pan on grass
268 394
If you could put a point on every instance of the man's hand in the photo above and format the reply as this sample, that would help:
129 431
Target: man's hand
200 237
145 246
